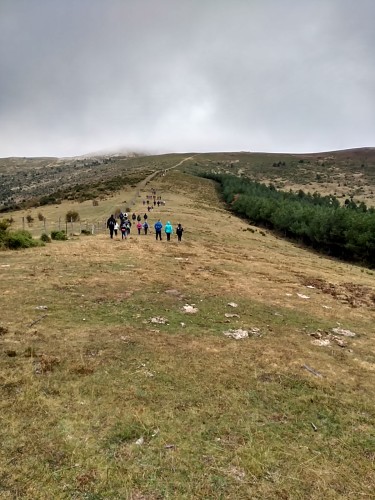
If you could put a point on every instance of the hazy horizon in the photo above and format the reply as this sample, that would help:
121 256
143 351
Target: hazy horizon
156 153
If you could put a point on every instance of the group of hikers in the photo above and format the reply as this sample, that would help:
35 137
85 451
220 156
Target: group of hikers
125 224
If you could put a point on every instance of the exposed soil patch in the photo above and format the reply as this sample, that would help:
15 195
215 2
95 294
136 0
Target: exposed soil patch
347 293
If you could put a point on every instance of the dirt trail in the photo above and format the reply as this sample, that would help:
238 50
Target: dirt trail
152 176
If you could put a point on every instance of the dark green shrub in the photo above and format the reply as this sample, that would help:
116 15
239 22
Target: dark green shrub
30 219
20 239
85 231
4 224
72 216
40 216
58 235
45 238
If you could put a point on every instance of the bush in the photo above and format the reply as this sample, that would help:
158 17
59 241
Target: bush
40 216
95 203
72 216
4 224
58 235
45 238
30 219
49 200
19 239
85 231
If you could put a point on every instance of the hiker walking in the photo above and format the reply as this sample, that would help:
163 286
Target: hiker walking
134 216
168 230
116 228
139 218
158 227
139 227
128 226
111 225
145 216
145 226
179 231
123 229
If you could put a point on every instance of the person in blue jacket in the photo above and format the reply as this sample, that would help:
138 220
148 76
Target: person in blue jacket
168 230
158 227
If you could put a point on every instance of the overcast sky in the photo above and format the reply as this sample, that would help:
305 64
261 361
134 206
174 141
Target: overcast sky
78 76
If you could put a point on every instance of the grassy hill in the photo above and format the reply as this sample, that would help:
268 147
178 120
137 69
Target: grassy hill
344 174
110 390
29 182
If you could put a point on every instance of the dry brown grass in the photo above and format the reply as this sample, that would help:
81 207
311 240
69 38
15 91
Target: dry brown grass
220 418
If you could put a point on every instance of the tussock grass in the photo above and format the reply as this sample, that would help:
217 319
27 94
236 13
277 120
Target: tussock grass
219 418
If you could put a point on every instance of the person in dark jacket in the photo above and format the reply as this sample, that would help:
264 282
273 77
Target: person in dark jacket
179 231
124 231
111 225
145 226
158 227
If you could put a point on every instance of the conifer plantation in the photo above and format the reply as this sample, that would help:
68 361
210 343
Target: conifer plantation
346 232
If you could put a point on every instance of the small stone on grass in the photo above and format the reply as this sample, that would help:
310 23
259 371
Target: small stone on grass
190 309
159 320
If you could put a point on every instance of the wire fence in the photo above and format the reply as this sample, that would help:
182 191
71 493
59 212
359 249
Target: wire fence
37 228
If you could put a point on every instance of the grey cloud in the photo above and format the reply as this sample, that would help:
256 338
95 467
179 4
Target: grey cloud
290 75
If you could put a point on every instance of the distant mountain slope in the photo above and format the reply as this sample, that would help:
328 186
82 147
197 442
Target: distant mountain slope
26 181
29 181
344 174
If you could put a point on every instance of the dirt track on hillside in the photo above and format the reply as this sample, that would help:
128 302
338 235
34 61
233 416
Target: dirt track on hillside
142 184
